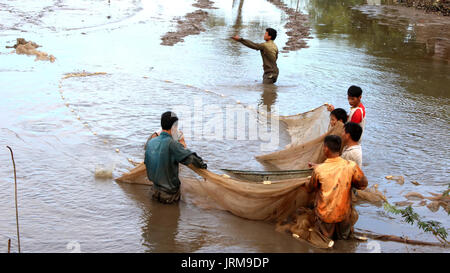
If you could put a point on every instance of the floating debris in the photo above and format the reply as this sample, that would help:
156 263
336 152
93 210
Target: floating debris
415 183
423 203
133 162
403 203
82 74
24 47
399 179
433 206
103 172
414 195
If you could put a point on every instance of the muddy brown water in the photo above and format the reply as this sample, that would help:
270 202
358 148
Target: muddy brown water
402 68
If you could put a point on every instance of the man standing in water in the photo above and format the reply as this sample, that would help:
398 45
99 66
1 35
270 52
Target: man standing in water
162 156
269 54
332 182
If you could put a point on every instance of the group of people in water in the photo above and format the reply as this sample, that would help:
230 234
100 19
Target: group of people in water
332 180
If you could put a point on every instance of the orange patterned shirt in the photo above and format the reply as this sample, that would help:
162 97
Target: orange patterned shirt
333 180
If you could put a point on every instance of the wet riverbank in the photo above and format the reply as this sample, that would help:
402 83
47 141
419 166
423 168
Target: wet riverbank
439 7
60 200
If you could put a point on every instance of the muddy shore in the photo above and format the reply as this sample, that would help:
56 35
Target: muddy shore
440 7
298 29
190 24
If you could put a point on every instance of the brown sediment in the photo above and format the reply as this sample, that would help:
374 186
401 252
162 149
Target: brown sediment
403 203
414 195
437 201
29 48
204 4
190 24
82 74
433 206
435 6
298 29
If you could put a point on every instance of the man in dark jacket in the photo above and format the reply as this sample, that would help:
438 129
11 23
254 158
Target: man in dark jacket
162 156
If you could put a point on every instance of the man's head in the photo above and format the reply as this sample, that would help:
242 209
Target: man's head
271 34
332 146
168 119
352 131
354 94
336 115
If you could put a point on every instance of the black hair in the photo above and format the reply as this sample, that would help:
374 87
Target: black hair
354 91
272 33
340 114
354 129
168 119
333 142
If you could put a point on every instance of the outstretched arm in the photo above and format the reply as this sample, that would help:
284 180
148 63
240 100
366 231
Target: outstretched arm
195 160
248 43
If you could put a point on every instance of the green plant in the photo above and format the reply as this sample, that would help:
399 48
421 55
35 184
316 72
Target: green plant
411 217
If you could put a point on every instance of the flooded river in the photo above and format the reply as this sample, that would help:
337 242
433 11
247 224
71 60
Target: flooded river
401 65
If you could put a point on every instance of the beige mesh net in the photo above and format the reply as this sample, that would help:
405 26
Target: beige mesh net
268 201
297 156
250 200
305 127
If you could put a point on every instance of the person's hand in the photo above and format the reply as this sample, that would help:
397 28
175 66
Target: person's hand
204 166
236 37
330 107
181 140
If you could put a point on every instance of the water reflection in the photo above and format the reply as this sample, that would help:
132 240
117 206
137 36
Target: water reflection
383 31
268 96
159 222
238 23
160 227
414 45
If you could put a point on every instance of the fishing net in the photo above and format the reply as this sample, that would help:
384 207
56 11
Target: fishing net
305 127
297 156
251 200
273 201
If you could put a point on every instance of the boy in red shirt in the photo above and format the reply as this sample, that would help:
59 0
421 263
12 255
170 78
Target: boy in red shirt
357 109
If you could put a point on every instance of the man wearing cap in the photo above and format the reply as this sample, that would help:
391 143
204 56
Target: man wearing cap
162 156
